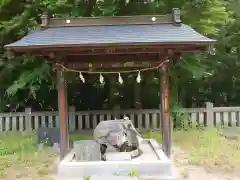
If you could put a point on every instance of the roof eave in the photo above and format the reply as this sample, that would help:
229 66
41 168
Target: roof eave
29 47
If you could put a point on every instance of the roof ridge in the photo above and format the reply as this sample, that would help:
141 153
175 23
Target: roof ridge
94 25
173 18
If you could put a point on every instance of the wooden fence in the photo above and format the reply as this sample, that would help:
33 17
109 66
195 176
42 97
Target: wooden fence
78 120
143 119
211 116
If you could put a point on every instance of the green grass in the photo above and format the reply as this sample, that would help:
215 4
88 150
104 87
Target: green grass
204 146
207 147
155 135
18 152
80 136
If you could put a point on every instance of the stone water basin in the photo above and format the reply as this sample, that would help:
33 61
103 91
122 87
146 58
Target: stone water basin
151 163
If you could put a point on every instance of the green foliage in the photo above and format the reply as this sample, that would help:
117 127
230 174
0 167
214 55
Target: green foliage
180 119
30 79
206 15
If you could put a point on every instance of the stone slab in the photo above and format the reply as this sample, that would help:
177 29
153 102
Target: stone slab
87 150
48 136
118 156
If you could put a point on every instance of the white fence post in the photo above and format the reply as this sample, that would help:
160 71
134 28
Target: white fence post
28 119
210 114
71 118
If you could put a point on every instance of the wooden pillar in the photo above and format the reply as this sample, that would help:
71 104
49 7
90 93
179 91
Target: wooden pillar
165 111
63 114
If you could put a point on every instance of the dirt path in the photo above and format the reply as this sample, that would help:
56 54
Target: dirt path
191 172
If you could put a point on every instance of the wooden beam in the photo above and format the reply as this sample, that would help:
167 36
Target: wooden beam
111 58
97 49
126 49
119 62
111 20
108 65
63 114
165 112
115 50
113 61
173 18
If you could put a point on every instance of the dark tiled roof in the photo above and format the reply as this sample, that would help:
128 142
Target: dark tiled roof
112 34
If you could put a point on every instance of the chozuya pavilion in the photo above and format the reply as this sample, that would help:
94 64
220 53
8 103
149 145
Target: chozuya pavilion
110 43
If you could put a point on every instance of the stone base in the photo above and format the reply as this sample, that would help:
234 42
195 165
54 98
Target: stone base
151 164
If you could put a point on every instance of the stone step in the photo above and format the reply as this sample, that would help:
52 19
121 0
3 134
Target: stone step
104 177
112 177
